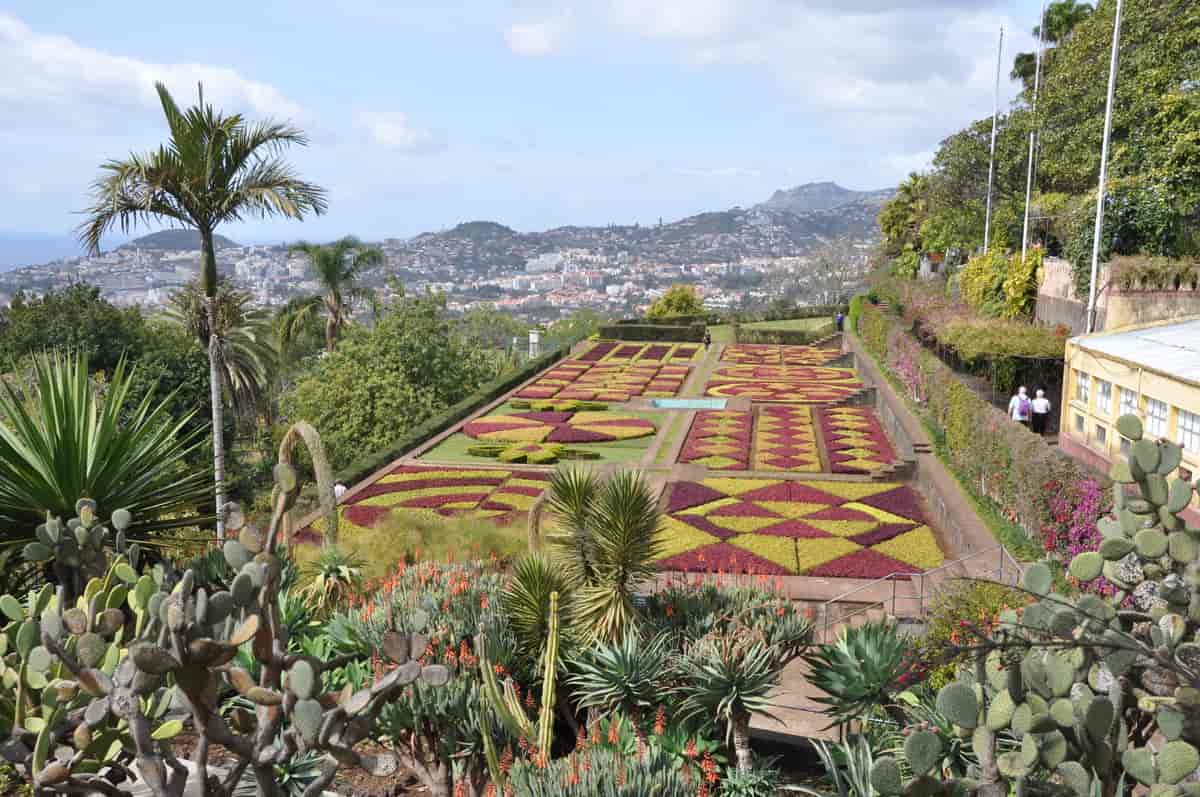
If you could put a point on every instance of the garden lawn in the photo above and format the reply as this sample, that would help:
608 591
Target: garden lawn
772 527
790 324
721 333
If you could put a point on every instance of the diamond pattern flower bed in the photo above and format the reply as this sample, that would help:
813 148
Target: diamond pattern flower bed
500 494
718 440
785 392
771 354
768 526
855 440
785 439
559 427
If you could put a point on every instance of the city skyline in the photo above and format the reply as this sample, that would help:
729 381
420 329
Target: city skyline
588 113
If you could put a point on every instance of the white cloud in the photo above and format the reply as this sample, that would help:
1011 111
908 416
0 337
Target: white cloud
49 71
394 130
539 37
720 172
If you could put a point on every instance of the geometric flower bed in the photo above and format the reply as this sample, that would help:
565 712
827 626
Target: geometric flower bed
771 354
559 427
610 379
855 440
501 494
774 527
718 440
785 392
621 353
785 373
530 453
785 439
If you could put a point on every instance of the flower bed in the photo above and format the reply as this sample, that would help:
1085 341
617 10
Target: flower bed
784 392
499 494
559 427
768 526
771 354
785 373
786 440
618 373
718 440
855 440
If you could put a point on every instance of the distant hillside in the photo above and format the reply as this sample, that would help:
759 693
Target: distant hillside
177 239
820 196
790 223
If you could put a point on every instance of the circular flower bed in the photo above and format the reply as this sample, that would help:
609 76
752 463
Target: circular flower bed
559 427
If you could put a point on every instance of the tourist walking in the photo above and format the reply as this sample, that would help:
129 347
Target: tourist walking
1020 407
840 320
707 339
1041 407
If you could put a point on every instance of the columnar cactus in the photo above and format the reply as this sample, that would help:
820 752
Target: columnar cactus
1092 689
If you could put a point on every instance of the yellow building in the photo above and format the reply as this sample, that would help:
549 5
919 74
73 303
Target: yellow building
1152 371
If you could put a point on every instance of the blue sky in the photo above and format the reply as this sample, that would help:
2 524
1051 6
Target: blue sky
534 114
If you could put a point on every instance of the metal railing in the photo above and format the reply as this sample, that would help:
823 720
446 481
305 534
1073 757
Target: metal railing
918 588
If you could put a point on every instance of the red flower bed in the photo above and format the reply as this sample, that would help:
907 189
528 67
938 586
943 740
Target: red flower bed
855 440
719 440
658 351
598 351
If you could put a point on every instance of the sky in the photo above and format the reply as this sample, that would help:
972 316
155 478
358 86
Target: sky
535 114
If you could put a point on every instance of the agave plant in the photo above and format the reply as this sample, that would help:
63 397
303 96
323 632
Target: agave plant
335 576
59 440
854 778
606 543
726 679
860 672
629 677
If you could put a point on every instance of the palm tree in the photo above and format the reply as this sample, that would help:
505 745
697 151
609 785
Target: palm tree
338 267
606 544
60 441
248 356
213 169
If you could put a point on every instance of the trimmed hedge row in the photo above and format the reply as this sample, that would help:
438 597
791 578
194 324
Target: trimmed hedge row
1000 459
673 320
368 463
654 332
786 337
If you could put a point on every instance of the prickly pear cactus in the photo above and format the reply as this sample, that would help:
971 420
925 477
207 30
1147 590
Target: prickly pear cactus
1092 689
77 550
68 694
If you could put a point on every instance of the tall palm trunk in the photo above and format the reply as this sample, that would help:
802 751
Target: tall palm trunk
208 270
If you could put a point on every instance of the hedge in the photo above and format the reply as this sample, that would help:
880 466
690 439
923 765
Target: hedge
786 337
654 332
672 320
999 459
368 463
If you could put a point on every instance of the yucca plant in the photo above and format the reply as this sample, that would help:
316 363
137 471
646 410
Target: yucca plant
526 603
606 541
725 679
851 778
629 677
60 439
860 672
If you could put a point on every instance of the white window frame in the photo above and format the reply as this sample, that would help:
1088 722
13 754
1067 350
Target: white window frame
1103 396
1083 386
1187 430
1100 434
1157 415
1129 402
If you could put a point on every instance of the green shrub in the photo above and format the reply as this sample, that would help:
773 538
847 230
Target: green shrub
957 612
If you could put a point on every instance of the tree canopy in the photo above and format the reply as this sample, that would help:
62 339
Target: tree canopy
379 382
678 300
75 318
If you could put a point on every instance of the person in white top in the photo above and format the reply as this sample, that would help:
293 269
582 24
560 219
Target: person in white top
1041 412
1020 407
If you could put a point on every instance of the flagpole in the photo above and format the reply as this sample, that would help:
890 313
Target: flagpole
1100 190
1037 75
987 218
